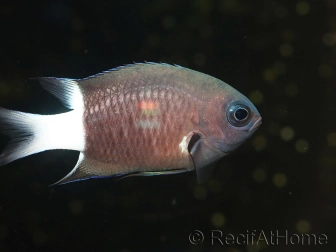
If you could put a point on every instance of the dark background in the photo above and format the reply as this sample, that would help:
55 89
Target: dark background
281 54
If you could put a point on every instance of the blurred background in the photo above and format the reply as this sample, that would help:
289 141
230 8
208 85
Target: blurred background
280 54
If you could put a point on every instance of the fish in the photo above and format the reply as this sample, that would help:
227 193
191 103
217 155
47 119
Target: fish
142 119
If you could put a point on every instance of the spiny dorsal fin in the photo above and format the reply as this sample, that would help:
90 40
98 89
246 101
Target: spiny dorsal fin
66 90
129 66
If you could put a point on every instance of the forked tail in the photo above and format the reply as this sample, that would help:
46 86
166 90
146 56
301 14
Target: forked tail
32 133
23 129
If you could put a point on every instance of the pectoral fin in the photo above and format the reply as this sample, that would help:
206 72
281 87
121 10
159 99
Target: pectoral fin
204 156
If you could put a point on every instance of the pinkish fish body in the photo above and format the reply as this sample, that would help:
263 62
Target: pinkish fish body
142 119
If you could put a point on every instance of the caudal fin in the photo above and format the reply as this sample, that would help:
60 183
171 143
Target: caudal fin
21 128
31 133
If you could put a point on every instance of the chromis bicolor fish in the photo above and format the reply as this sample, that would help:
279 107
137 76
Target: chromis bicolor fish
140 119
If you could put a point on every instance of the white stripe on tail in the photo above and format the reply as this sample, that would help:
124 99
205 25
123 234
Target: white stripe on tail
31 133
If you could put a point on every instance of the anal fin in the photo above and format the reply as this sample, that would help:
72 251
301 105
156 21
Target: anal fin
84 169
151 173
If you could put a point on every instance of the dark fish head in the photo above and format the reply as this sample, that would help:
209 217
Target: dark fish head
226 122
237 118
241 119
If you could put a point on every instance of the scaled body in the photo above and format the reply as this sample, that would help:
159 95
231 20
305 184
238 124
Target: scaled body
144 118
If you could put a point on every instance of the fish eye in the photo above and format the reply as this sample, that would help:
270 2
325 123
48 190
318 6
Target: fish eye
238 114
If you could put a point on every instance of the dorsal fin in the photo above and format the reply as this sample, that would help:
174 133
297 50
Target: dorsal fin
129 66
66 90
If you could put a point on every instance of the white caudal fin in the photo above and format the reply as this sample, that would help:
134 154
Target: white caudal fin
20 127
32 133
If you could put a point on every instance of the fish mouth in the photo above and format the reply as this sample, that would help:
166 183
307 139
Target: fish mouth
256 124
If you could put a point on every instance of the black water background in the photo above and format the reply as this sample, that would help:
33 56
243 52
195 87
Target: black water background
236 41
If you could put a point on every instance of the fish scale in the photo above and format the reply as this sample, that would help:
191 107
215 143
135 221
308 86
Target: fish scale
144 137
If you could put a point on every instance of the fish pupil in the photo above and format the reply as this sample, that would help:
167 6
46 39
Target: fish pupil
241 114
